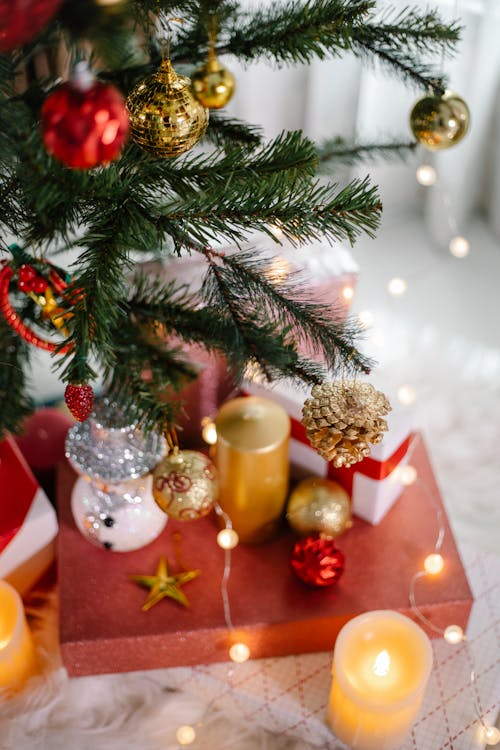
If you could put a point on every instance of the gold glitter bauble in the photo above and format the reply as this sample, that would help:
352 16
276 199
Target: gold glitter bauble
185 485
318 504
213 85
165 118
439 122
341 419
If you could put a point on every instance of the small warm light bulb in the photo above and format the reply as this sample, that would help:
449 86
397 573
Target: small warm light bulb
459 246
490 735
408 475
278 270
397 286
276 230
208 431
382 664
366 318
453 634
426 175
227 539
185 735
433 564
348 292
239 652
407 394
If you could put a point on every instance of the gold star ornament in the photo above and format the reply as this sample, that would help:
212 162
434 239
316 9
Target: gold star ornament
162 585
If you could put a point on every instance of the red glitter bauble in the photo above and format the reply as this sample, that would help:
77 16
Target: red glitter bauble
84 127
21 20
79 400
317 561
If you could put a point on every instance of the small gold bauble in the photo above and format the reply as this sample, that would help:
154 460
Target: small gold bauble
213 85
439 122
185 485
320 505
165 118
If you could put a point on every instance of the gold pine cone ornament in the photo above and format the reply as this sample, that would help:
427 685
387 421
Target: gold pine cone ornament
165 117
342 419
213 84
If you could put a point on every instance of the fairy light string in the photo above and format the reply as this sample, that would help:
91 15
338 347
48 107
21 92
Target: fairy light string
453 634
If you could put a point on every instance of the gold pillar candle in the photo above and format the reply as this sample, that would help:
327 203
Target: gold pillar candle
17 652
251 455
381 664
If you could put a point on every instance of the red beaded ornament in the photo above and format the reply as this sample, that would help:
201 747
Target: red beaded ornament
11 316
84 125
79 399
317 561
21 20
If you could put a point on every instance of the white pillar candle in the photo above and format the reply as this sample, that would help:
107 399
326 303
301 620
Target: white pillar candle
17 653
381 664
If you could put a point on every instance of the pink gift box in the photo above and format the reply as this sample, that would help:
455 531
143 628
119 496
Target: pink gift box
28 523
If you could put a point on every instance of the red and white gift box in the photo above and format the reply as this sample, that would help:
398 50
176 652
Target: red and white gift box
373 484
28 522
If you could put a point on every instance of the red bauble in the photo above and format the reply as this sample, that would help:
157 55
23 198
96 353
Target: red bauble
21 20
84 126
317 561
79 400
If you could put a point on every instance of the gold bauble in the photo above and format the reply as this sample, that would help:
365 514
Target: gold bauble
213 85
439 122
319 505
165 118
342 419
185 485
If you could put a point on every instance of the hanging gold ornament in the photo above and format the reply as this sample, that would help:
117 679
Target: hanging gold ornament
213 84
185 485
341 419
165 117
319 505
440 121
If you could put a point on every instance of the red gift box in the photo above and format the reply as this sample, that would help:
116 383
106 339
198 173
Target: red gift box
28 523
103 628
373 484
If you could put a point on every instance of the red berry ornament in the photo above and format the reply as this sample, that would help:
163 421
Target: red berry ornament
84 125
21 20
39 285
79 400
317 561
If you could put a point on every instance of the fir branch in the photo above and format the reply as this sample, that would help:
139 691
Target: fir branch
257 342
15 404
303 211
224 131
146 370
217 329
291 32
317 326
339 150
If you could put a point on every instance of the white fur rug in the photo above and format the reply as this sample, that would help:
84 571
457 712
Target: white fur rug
458 406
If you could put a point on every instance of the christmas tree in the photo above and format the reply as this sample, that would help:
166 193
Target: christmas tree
118 202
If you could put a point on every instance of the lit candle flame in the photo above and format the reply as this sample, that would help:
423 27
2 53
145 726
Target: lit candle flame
382 664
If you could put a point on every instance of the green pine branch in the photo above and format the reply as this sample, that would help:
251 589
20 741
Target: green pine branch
341 151
302 211
317 326
15 404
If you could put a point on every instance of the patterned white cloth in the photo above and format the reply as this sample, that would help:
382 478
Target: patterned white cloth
289 695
